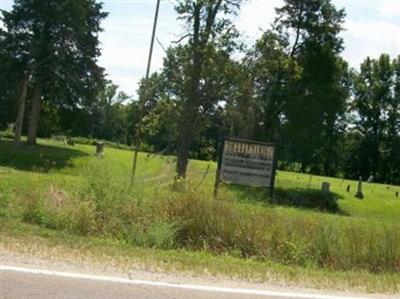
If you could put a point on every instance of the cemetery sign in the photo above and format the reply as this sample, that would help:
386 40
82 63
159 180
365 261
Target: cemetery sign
246 162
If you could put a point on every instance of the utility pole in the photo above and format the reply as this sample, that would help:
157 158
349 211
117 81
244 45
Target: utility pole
142 102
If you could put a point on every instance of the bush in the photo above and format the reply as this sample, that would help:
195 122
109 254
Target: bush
310 199
8 133
32 211
161 235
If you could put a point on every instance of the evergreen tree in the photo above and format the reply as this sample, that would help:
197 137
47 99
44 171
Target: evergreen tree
268 63
56 41
316 100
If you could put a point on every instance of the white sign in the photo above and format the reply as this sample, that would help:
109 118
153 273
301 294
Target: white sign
247 163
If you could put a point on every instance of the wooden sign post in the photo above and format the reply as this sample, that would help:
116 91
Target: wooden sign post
246 162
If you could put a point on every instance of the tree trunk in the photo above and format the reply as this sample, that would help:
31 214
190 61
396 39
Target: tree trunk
183 155
191 106
21 110
34 119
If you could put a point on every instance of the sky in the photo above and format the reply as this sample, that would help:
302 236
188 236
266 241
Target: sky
372 27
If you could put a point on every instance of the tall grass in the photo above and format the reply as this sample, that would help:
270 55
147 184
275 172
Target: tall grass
339 244
160 218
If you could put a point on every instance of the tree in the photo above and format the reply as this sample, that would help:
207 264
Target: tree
316 99
167 100
109 115
14 81
242 106
160 127
393 142
204 26
56 41
376 108
269 68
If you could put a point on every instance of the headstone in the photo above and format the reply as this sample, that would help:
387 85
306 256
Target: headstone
348 188
325 187
370 179
359 193
397 193
99 149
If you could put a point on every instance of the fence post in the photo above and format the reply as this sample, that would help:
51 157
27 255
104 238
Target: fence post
219 162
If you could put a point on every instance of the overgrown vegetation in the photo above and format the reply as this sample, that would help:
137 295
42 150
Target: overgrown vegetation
89 196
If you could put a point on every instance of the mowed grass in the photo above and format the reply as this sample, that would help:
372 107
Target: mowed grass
65 189
380 202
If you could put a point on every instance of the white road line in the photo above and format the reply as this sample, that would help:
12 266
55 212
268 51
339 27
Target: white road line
173 285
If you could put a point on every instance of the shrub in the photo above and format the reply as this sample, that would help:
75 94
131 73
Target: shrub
310 199
32 210
7 133
161 235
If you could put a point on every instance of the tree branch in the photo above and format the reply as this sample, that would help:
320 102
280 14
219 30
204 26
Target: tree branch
181 38
212 14
300 21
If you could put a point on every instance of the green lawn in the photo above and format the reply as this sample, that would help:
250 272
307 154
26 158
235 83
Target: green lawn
56 192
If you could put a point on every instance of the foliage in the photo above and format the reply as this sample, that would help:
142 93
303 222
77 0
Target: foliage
291 87
55 43
210 34
376 133
317 92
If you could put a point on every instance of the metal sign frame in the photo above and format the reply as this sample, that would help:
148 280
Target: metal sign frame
218 179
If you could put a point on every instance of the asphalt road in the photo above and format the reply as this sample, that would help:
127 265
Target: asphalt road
19 285
16 285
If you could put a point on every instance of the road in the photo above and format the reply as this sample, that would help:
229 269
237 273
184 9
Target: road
31 283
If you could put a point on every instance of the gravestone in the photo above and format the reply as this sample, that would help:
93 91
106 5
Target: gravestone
348 188
370 179
100 149
397 193
359 193
325 187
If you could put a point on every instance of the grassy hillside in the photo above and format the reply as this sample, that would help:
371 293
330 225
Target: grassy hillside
67 189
